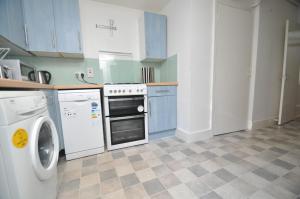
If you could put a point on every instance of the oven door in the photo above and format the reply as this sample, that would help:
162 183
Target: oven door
126 131
125 105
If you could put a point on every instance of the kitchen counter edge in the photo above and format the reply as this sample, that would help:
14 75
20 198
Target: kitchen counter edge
162 84
15 84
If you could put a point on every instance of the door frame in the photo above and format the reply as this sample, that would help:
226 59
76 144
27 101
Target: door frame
283 78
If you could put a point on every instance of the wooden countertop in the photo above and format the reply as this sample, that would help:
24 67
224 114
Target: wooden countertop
163 84
8 83
15 84
82 86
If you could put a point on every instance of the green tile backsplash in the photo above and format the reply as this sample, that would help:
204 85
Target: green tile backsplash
63 69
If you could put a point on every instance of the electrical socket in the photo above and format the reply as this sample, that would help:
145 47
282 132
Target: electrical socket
90 72
78 75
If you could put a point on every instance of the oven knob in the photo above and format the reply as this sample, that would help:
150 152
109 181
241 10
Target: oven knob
137 90
115 91
119 91
140 108
129 90
123 91
110 91
141 90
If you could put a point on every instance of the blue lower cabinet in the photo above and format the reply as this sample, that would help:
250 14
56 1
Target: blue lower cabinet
162 111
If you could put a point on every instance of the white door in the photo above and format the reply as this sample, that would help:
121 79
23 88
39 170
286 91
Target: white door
233 45
290 76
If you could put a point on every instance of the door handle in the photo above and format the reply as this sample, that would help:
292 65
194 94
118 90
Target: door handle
126 117
79 40
53 39
26 34
149 108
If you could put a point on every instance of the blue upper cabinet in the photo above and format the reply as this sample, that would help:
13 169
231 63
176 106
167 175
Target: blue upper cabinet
162 110
43 27
16 23
3 19
39 25
12 22
153 34
67 24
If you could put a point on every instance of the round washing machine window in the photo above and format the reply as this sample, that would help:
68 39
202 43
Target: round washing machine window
45 145
44 148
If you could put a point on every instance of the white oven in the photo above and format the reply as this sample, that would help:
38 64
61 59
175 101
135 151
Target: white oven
126 121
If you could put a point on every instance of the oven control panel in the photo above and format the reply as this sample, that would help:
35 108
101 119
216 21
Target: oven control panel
124 89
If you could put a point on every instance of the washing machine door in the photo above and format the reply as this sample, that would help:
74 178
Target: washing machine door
44 148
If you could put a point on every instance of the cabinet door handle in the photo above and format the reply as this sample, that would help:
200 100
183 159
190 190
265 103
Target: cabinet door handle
79 40
162 91
26 35
53 39
150 108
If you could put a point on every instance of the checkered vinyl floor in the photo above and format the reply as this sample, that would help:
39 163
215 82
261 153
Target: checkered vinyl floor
260 164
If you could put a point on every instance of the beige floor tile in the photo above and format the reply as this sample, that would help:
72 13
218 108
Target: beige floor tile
210 165
105 166
125 169
145 175
136 192
89 180
90 192
73 165
148 155
139 165
104 157
185 175
110 186
69 195
71 175
154 162
116 195
181 191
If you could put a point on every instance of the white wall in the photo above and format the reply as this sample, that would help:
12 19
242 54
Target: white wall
190 25
125 39
273 14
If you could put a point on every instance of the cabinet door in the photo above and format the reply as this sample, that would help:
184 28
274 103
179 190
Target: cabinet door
155 36
162 113
39 23
67 24
3 18
16 23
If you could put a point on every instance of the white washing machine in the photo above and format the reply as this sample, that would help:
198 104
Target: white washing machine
28 147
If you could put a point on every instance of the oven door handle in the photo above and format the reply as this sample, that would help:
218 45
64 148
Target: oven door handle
126 117
126 99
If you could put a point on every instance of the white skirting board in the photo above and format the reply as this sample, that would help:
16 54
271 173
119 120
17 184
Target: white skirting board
193 136
263 124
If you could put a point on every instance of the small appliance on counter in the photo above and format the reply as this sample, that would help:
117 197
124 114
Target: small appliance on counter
17 69
5 72
126 121
43 77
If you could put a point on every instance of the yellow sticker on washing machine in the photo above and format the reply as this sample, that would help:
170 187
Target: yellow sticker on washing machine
20 138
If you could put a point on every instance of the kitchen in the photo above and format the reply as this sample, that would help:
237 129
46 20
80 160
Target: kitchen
115 75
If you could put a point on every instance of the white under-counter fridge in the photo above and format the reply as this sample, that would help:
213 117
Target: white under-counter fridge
82 126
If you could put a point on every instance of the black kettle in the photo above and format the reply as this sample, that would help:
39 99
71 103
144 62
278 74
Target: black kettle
43 77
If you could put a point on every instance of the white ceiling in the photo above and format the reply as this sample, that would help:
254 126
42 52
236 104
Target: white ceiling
147 5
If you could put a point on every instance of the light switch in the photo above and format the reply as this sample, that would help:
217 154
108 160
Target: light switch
90 72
